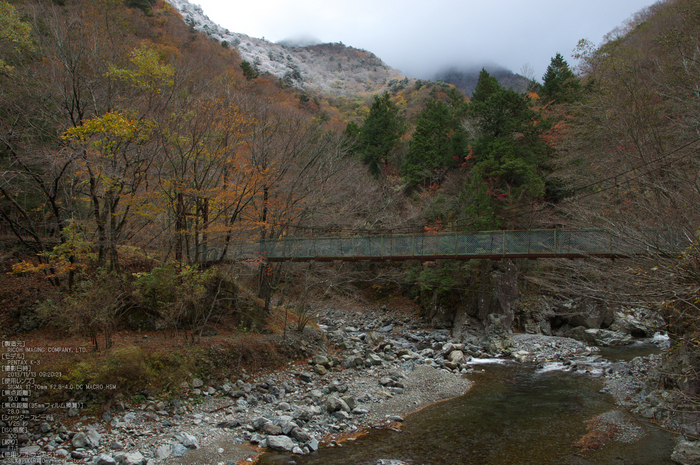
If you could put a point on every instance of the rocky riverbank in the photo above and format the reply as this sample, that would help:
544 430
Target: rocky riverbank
375 369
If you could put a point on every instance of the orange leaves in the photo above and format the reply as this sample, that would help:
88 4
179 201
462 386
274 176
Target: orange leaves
438 227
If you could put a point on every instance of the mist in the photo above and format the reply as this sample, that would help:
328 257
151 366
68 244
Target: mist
420 38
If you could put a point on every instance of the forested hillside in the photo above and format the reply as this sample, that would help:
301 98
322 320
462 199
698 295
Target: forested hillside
135 152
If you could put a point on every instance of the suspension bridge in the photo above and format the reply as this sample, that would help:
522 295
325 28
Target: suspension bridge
494 245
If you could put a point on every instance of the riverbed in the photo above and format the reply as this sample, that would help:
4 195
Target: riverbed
514 414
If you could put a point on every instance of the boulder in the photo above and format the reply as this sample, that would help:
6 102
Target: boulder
305 413
334 404
300 435
374 359
271 429
104 459
179 450
607 338
282 443
29 450
133 458
94 438
259 422
320 370
187 440
352 362
637 322
321 360
457 356
79 441
686 452
163 452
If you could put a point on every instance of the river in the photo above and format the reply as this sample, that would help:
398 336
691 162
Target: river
514 414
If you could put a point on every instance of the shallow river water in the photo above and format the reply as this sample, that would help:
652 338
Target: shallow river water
514 414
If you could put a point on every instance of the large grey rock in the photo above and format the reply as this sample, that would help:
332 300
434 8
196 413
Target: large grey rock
374 359
334 404
163 452
353 361
637 322
588 313
350 400
686 452
321 360
305 413
94 438
300 435
271 429
179 450
312 445
187 440
283 443
259 422
457 356
79 440
287 425
132 458
104 459
29 450
320 370
607 338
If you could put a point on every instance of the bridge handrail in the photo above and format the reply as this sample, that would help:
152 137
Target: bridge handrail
539 243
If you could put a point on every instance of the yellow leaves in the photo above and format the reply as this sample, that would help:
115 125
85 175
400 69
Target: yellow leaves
25 267
73 254
113 124
14 34
150 74
109 132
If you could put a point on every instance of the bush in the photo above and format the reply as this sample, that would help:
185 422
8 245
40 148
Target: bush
176 294
93 309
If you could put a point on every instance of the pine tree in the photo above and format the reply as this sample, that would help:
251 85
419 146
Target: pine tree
380 133
432 149
560 83
485 86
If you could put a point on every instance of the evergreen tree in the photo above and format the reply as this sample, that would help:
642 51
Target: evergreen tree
143 5
486 85
559 82
508 155
380 133
249 70
435 147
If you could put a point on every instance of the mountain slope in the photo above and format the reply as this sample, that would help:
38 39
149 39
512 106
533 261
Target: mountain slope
325 68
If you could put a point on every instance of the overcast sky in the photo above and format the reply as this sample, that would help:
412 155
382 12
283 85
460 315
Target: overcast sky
421 37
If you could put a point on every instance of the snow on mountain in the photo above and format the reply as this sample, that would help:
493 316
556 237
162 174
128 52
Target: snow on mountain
323 68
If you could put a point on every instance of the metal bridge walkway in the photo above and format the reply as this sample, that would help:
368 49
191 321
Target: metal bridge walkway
546 243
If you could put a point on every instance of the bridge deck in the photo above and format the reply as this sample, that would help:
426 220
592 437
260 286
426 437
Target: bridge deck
547 243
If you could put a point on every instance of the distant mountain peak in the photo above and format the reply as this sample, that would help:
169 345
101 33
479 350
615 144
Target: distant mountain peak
319 68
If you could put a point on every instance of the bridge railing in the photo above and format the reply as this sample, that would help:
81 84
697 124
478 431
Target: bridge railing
534 243
482 244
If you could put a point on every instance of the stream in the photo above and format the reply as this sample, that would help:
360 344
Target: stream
514 414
